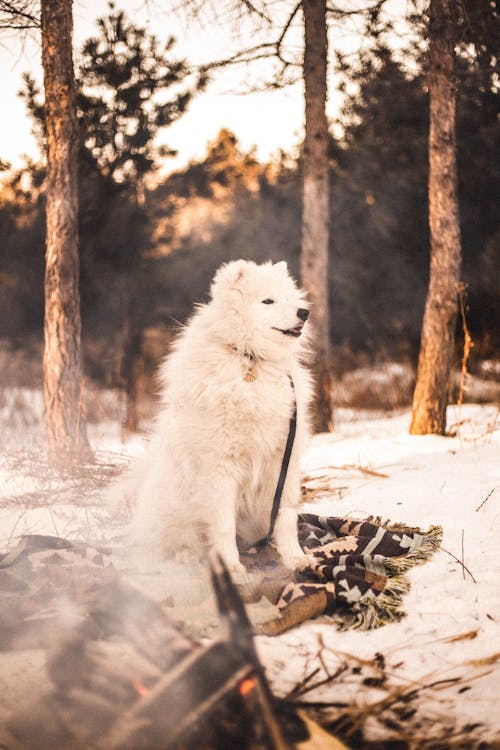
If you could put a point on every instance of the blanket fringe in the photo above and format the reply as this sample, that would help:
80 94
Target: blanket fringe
375 611
433 533
431 542
345 605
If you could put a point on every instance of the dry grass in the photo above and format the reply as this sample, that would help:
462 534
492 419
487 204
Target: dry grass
386 387
54 486
326 481
68 503
391 713
474 436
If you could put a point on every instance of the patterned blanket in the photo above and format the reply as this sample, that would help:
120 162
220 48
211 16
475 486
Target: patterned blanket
356 573
355 576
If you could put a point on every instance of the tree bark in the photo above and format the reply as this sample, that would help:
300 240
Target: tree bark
65 426
315 204
430 398
134 377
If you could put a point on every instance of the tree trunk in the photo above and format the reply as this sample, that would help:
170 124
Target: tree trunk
134 377
315 204
438 329
65 427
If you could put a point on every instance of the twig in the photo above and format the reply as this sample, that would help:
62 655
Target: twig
12 12
304 687
459 562
284 31
486 499
446 682
319 655
251 54
366 470
252 9
265 50
349 467
298 688
343 13
327 680
11 536
463 569
469 635
468 344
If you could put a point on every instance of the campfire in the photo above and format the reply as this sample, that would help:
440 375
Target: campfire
121 675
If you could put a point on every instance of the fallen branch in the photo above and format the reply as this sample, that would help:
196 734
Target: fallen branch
459 562
298 689
350 467
481 505
463 554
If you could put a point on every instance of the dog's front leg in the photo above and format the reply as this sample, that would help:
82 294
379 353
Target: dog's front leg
285 532
222 524
285 537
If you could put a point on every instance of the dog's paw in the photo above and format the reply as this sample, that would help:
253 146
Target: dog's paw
299 562
235 568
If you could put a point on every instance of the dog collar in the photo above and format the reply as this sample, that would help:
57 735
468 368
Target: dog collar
251 373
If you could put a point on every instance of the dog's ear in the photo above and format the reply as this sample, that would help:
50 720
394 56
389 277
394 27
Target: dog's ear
282 266
238 269
228 275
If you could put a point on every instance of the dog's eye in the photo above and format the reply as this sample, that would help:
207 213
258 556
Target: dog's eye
267 301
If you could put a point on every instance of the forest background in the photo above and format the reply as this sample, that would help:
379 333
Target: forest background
149 245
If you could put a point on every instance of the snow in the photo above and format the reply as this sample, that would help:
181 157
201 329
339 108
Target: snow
453 482
447 647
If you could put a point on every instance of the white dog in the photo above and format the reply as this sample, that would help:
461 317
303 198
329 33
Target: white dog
228 392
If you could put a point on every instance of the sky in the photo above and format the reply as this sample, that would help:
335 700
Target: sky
269 121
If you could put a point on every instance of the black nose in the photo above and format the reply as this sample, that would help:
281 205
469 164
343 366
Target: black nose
303 314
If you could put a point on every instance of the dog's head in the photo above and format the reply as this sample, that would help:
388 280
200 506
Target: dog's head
260 307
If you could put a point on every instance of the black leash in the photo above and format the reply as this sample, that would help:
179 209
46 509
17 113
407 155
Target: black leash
283 472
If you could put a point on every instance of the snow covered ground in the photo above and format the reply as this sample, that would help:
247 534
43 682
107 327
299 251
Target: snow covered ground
450 638
434 676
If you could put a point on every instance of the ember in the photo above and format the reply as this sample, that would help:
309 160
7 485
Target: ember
140 688
246 686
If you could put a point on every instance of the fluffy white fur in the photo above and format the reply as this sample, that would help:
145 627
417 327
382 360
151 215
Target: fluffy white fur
215 453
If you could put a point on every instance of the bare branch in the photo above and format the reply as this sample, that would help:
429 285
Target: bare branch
285 30
256 12
342 13
481 505
18 14
16 26
263 51
464 567
259 52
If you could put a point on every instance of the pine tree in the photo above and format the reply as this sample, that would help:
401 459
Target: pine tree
435 361
65 430
128 88
315 204
123 79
